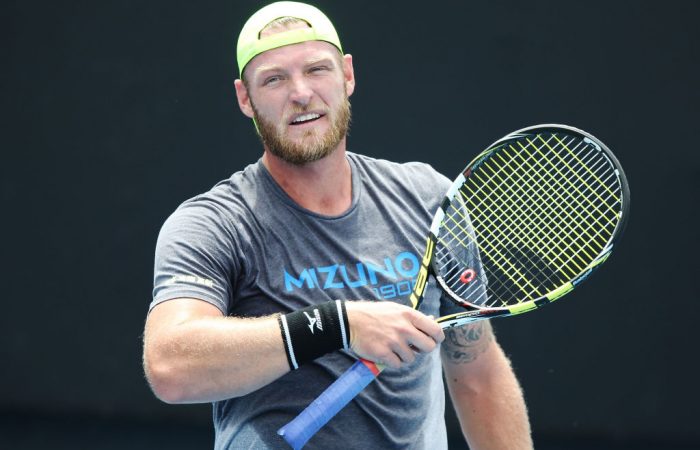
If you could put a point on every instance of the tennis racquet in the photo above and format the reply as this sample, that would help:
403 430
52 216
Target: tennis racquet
540 208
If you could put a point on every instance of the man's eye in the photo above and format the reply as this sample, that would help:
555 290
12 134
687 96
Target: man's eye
271 80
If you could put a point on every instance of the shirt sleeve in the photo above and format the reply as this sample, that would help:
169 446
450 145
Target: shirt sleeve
194 257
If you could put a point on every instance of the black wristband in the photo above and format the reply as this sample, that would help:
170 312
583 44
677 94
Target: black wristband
314 331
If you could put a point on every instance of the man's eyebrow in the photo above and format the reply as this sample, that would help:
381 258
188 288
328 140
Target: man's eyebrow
268 68
323 60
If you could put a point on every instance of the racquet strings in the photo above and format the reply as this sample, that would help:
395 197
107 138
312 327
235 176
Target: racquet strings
537 210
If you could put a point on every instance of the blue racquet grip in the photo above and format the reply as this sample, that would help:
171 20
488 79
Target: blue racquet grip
333 399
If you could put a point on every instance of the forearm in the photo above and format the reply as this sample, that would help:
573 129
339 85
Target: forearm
486 395
492 413
193 354
206 359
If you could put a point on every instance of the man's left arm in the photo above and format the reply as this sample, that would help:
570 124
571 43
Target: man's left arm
484 390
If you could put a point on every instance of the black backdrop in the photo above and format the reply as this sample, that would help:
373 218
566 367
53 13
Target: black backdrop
113 112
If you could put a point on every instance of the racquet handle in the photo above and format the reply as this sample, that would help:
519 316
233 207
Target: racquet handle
333 399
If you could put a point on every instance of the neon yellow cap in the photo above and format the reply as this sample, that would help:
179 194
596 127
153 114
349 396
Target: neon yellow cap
250 44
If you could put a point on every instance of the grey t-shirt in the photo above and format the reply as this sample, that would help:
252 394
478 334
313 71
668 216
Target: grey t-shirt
250 250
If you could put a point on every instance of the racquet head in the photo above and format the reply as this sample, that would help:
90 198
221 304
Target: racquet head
525 222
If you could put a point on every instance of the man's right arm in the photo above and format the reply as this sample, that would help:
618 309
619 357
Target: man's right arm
194 354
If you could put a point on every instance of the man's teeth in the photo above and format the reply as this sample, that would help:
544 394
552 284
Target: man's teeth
306 117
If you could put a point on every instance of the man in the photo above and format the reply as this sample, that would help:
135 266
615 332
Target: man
248 275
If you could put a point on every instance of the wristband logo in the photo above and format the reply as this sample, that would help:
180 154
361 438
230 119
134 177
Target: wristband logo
384 279
316 320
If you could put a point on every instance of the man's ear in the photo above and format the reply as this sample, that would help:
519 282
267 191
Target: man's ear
349 74
243 98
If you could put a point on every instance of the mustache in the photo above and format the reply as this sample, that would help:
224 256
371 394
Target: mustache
296 110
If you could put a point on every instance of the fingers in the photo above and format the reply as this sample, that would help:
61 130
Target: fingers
390 333
404 351
422 343
391 360
430 328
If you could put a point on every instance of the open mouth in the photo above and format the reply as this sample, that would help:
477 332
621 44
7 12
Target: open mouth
306 118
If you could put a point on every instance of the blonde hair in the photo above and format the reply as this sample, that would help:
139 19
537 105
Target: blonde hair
281 24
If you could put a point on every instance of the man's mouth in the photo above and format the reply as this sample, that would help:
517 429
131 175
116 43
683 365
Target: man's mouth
305 118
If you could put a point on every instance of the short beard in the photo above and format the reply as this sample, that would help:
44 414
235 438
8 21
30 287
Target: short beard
319 146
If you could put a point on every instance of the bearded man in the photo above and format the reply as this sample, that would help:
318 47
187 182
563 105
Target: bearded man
253 282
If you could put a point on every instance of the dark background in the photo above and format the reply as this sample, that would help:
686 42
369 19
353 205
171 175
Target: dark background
113 112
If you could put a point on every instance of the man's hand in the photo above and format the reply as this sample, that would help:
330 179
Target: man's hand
390 333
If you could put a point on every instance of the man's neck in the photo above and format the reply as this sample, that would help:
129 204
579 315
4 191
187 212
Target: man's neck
323 186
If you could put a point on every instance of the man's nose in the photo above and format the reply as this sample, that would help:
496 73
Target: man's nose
301 92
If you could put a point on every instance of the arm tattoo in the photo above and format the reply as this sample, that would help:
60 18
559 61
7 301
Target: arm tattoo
464 344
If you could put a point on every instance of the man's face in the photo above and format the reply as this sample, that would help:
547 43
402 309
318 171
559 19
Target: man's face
299 99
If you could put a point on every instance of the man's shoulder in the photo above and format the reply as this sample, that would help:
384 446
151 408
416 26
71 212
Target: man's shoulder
418 175
233 189
223 202
381 163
